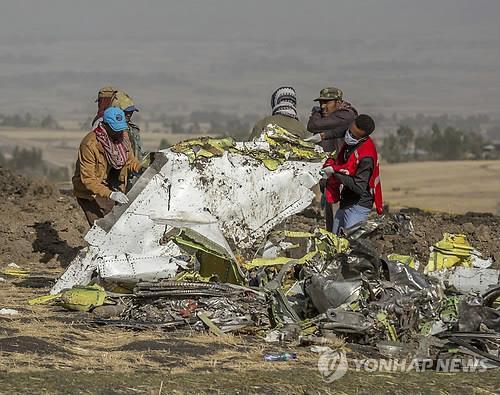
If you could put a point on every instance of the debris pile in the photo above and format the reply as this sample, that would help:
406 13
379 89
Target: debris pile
222 307
482 231
200 246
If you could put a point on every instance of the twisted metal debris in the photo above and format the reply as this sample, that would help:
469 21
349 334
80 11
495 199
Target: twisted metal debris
210 258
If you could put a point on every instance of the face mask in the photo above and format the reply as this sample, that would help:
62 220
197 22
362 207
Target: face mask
349 138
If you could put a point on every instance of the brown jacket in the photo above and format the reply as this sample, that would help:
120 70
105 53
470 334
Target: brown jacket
333 126
92 169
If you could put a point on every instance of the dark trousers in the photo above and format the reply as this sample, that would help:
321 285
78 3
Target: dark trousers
327 206
95 209
329 217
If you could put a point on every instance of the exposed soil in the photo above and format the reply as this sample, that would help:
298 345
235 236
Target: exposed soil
175 346
39 224
482 231
43 225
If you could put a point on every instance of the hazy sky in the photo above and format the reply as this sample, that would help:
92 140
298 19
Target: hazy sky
177 56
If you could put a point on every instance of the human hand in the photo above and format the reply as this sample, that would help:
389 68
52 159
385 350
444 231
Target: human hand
315 138
327 172
119 197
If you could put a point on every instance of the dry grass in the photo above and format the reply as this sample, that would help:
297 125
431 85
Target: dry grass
456 187
77 346
59 353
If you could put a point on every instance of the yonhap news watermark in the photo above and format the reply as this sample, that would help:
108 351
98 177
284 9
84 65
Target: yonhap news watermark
333 365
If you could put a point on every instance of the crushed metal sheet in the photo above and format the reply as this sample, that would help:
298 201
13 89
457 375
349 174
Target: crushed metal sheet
76 298
468 279
231 191
197 247
452 250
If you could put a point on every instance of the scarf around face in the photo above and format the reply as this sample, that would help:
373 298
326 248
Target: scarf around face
116 152
284 102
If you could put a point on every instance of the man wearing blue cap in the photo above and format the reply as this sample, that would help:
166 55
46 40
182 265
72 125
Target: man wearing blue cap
104 160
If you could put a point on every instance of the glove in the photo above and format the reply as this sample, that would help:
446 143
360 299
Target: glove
316 109
315 138
327 172
119 197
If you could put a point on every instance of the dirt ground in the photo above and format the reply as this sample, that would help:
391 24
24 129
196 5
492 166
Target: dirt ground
452 187
39 226
47 349
482 231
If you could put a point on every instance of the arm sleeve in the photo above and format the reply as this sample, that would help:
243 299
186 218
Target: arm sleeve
87 159
359 182
256 131
334 126
136 141
133 164
317 123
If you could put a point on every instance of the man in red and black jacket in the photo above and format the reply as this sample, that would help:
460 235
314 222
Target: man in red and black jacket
328 123
354 176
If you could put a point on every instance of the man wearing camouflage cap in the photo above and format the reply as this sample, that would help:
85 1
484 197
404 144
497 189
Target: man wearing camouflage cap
104 99
329 122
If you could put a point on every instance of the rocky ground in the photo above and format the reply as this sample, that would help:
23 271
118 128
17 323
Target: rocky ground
47 349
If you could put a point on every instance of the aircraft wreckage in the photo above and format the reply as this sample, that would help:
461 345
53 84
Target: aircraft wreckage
200 246
227 195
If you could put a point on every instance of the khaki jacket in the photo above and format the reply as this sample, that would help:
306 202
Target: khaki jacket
291 125
92 169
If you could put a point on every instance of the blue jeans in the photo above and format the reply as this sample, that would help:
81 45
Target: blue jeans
347 217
